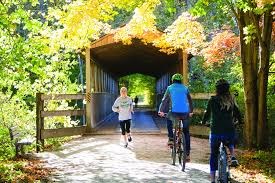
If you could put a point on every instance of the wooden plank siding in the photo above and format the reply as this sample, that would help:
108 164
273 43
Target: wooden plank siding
61 132
107 39
62 96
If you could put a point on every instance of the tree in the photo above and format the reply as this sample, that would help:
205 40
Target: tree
26 67
254 21
140 85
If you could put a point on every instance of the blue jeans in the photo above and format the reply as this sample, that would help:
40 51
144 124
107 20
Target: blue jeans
215 140
185 131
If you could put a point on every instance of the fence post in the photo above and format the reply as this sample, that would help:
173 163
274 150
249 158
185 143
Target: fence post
39 122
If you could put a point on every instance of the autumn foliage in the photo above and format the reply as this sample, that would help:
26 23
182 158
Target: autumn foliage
86 22
224 45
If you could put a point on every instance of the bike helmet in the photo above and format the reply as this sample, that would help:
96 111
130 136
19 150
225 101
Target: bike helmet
177 77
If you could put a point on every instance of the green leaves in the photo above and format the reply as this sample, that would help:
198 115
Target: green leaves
249 32
140 85
27 67
244 5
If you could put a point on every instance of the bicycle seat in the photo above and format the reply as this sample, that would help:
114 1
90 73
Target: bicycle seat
225 142
180 116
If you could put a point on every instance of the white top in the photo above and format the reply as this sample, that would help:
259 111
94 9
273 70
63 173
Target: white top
124 107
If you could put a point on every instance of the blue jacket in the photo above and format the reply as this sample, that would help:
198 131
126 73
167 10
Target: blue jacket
177 99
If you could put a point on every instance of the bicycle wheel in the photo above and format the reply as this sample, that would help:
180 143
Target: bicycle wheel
174 149
182 152
222 167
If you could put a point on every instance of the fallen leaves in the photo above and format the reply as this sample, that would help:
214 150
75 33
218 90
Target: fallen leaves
28 169
255 166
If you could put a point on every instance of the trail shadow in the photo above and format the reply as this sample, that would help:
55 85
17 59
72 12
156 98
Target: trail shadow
103 159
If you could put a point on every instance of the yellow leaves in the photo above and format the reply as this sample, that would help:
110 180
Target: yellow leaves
142 24
262 3
87 30
83 22
185 33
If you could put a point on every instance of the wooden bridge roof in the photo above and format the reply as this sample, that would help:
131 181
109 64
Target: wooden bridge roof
138 57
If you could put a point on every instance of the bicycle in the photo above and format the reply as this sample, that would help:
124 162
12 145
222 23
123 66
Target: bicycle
224 162
179 144
179 141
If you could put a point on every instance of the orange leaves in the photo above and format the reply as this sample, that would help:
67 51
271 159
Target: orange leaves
224 45
35 171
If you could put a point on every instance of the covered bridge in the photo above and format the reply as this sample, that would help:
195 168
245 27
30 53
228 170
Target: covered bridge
107 60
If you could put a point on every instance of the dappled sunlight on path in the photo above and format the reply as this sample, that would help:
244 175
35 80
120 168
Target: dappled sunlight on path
104 159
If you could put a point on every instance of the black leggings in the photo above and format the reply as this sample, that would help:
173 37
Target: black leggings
125 126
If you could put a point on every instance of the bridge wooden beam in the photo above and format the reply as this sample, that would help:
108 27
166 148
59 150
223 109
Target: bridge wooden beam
183 66
88 90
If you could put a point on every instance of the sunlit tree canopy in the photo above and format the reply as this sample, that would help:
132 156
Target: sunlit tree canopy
83 22
185 33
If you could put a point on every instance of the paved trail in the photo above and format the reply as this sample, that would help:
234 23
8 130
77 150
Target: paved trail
102 158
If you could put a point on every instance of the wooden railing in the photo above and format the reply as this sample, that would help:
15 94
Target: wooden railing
203 96
200 96
42 133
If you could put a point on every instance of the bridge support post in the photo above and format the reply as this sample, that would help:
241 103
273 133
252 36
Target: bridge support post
183 66
89 90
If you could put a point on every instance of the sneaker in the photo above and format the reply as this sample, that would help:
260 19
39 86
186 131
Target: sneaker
234 162
129 139
188 158
126 145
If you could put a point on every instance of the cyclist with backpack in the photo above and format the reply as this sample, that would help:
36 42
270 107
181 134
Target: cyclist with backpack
178 103
222 109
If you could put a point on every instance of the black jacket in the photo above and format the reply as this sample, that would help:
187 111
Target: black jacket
222 120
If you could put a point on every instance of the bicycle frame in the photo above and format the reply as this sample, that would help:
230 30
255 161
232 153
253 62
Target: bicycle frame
179 144
223 166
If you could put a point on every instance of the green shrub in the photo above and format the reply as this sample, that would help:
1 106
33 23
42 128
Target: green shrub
10 171
6 147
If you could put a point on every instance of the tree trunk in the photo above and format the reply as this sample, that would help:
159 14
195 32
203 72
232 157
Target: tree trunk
249 56
262 131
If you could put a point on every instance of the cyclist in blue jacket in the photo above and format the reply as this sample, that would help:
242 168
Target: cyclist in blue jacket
178 103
